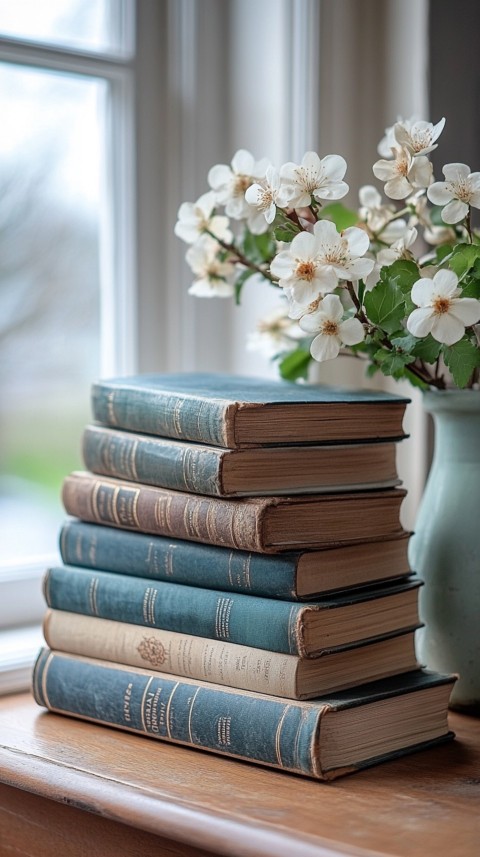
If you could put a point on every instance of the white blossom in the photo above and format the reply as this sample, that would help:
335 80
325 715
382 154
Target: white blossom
321 178
213 276
229 183
198 218
331 332
264 197
314 263
432 233
275 333
441 311
418 137
378 217
460 190
404 173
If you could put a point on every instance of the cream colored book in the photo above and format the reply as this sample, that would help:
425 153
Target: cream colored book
227 663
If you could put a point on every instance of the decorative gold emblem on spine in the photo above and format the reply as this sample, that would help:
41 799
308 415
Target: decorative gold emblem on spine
153 651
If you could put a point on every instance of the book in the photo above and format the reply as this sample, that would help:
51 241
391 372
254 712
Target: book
235 411
262 524
288 576
264 623
226 663
334 735
215 471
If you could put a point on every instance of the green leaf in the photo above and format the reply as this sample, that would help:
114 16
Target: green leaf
405 342
443 251
339 214
295 364
414 380
403 272
240 282
259 248
392 362
471 288
385 305
462 358
284 232
463 258
427 349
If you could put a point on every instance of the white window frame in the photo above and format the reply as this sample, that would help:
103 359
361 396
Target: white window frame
21 603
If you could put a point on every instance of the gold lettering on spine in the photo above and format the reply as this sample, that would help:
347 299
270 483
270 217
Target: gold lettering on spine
134 509
278 736
92 595
177 417
112 417
190 714
132 460
167 714
142 707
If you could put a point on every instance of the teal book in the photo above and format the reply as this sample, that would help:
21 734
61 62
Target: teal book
294 628
218 472
234 411
287 576
322 739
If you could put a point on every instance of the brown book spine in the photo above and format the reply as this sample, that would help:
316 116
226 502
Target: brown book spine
163 512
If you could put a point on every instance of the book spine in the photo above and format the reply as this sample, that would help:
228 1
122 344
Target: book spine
182 654
228 523
234 723
250 621
161 413
178 561
153 461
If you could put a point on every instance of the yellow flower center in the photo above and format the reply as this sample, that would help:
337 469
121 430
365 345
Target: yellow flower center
402 165
441 305
421 140
306 271
309 179
460 190
330 328
336 254
241 184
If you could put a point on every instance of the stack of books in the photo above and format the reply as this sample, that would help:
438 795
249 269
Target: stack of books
236 575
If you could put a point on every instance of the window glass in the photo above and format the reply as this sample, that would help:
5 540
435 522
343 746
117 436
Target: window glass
84 24
50 204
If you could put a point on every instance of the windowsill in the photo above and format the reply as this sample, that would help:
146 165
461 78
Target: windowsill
426 803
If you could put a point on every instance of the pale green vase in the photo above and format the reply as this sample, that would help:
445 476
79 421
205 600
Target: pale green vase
445 549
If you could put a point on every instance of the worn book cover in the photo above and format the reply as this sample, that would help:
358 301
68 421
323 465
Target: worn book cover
279 626
288 576
263 524
235 411
323 739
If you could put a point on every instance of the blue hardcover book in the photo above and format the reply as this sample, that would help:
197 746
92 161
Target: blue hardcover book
234 411
288 576
322 739
295 628
211 470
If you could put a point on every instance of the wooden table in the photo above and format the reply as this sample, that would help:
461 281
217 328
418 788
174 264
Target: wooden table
73 788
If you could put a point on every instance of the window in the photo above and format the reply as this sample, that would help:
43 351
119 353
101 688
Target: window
66 267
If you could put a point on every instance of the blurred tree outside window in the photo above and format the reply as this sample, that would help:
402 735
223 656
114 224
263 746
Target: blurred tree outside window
52 200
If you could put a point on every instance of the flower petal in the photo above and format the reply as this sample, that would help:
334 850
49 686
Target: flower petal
357 239
312 163
304 246
420 322
447 329
439 193
445 284
421 172
325 347
326 232
332 307
369 196
467 310
335 190
334 167
243 162
351 331
282 265
219 175
360 268
454 211
311 321
384 170
422 292
454 172
398 187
